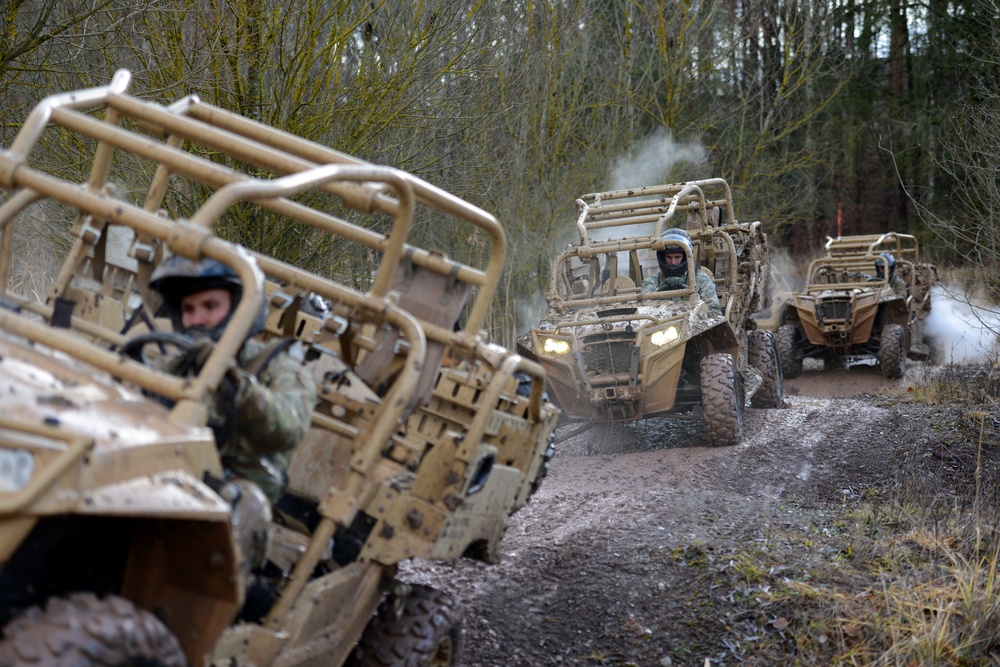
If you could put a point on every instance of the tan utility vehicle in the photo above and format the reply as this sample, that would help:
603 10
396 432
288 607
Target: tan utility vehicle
121 540
614 354
866 297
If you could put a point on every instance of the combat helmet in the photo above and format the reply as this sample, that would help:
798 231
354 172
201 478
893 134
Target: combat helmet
886 260
177 277
680 237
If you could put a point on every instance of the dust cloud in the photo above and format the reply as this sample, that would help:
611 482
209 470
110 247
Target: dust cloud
787 275
961 329
651 161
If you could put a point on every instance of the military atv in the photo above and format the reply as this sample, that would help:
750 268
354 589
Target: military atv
615 354
849 309
123 540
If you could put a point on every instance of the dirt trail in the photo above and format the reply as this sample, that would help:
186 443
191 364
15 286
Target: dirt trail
593 570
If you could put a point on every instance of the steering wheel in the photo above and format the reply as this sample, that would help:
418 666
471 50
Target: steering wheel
135 347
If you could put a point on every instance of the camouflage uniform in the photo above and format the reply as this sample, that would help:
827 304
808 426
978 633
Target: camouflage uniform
703 282
898 286
268 416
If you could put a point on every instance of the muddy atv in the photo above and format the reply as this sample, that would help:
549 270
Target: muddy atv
614 353
850 309
124 541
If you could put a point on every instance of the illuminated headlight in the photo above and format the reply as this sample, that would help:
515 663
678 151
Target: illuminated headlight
555 346
16 468
665 336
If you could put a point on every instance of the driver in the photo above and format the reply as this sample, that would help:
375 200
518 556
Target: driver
262 409
897 284
674 270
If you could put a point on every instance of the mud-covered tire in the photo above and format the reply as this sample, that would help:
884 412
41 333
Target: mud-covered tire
84 631
426 633
543 470
763 355
722 399
791 367
892 351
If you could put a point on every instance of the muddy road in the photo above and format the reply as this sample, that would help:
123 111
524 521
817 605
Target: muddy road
621 558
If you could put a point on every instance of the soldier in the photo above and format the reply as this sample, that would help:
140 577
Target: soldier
673 271
897 284
263 407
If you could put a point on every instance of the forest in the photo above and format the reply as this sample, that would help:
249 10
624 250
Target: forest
844 116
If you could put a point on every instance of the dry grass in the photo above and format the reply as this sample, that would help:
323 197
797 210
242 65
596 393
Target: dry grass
915 579
39 246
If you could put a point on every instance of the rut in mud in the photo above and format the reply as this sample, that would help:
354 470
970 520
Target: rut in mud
615 560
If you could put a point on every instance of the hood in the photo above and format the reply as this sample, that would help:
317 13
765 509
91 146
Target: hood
67 430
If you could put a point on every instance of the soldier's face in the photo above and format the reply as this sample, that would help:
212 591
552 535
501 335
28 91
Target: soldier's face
674 258
206 308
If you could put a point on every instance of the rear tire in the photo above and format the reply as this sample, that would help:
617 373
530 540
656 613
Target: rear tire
84 631
426 633
722 399
791 367
764 356
892 351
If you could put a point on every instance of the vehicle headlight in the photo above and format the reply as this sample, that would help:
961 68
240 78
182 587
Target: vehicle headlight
555 346
665 336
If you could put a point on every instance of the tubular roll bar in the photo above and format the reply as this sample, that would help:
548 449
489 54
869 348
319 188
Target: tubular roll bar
265 147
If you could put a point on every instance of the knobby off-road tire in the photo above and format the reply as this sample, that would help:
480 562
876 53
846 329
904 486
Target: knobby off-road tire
892 351
790 366
764 356
427 633
84 631
543 470
722 399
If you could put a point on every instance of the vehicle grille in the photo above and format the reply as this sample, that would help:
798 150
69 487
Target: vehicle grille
611 354
837 311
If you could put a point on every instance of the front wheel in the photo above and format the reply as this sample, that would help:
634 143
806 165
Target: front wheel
84 631
892 351
764 356
722 399
791 366
426 632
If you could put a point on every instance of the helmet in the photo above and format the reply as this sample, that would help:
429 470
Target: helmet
177 277
887 260
679 237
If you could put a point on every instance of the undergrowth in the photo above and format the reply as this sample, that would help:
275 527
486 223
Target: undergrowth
906 574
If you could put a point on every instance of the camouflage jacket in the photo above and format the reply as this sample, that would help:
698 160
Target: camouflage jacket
898 286
705 285
263 419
